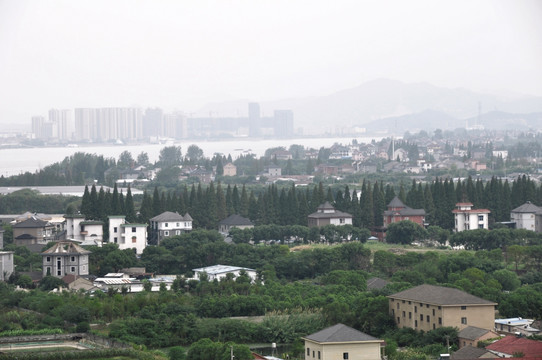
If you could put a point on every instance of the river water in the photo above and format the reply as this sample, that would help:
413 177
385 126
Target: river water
17 161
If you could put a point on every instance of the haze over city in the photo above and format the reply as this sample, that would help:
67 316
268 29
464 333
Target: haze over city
183 55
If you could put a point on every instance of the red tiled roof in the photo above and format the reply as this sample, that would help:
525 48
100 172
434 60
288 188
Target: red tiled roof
514 345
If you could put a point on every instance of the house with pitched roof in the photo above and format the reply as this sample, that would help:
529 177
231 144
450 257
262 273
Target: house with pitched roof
398 211
169 224
234 221
341 342
326 214
33 231
512 346
65 258
470 336
427 307
527 216
85 231
470 352
467 218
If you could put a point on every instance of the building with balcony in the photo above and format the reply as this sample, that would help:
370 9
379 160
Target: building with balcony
127 235
467 218
169 224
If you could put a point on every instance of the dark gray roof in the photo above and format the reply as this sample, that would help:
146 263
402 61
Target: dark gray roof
439 295
472 333
336 214
376 283
339 333
31 223
171 216
469 352
528 207
236 219
406 211
396 203
403 209
326 206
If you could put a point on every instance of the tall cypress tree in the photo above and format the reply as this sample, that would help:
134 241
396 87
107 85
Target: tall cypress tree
221 208
244 203
94 205
378 205
156 205
130 209
115 202
86 206
146 210
235 200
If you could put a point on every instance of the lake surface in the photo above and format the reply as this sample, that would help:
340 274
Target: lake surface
17 161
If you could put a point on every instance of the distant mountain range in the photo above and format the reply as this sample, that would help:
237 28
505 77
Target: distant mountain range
394 106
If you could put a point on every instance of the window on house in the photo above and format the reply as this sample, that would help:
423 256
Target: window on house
409 303
463 308
73 258
166 225
392 312
421 317
403 301
59 272
308 351
434 326
166 233
398 320
397 305
480 217
134 239
133 229
72 269
319 354
404 314
440 321
427 318
114 229
177 232
427 306
415 309
313 353
409 315
115 240
464 320
345 356
439 307
415 323
48 258
433 312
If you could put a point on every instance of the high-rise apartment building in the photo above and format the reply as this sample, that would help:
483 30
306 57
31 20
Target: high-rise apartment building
37 127
107 124
61 121
283 123
254 125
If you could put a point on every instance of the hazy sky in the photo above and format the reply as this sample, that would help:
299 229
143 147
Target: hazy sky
182 54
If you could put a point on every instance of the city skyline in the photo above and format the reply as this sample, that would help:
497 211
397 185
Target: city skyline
180 56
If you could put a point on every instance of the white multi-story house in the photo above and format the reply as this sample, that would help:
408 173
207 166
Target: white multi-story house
326 214
527 216
127 235
467 218
86 231
65 258
169 224
6 265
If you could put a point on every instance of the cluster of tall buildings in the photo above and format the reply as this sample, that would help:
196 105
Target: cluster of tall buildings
130 124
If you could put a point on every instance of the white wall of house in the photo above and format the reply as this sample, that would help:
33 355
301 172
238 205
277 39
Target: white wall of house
340 221
60 265
524 220
471 221
6 265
